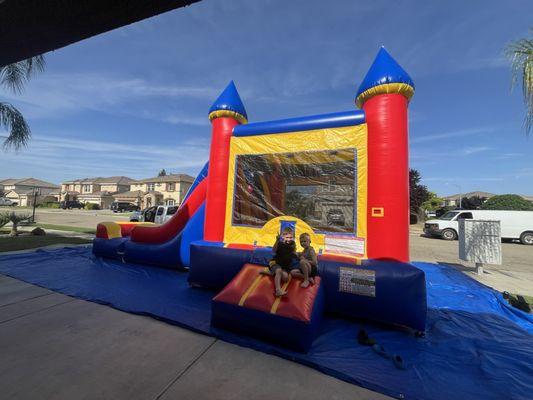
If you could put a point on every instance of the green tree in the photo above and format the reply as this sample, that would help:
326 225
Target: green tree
418 193
433 203
14 77
472 203
521 55
162 172
507 202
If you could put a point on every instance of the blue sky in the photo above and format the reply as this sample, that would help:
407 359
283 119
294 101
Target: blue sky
135 100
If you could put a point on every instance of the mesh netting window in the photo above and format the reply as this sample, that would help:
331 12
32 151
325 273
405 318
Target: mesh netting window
319 187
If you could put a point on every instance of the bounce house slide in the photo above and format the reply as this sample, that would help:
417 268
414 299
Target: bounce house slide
164 245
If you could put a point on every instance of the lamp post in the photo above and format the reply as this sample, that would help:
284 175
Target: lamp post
34 204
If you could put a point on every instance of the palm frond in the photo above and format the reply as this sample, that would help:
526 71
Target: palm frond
18 130
521 55
14 76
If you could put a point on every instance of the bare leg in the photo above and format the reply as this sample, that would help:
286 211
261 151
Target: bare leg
280 275
306 268
296 273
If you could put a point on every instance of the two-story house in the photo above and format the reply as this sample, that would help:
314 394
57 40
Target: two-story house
168 190
25 190
95 190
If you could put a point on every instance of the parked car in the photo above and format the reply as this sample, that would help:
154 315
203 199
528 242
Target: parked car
431 214
156 214
121 206
335 217
136 216
164 213
7 202
513 224
70 204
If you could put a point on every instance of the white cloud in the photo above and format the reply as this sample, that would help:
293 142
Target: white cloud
451 134
53 95
473 150
60 158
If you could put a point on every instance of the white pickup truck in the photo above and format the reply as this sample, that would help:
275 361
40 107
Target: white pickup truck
514 224
156 214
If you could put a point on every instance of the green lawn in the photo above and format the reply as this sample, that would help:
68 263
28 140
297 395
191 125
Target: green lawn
66 228
24 242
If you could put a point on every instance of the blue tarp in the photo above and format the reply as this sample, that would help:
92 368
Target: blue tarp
476 346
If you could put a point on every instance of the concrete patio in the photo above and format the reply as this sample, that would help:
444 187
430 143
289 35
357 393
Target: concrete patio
57 347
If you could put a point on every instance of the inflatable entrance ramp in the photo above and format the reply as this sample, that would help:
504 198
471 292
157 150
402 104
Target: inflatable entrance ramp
247 305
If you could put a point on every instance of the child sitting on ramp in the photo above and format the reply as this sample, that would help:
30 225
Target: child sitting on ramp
308 262
285 259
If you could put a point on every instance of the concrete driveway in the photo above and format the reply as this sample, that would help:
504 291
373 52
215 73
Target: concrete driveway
57 347
515 275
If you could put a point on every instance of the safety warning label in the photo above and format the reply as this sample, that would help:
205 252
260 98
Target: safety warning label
339 244
357 281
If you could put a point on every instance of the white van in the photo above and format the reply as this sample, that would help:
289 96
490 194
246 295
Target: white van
514 224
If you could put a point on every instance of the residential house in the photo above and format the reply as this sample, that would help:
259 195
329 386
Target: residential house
98 190
453 200
168 190
25 191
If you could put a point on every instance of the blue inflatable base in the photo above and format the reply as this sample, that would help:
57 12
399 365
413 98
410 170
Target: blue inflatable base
476 345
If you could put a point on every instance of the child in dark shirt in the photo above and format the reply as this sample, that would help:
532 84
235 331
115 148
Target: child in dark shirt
285 259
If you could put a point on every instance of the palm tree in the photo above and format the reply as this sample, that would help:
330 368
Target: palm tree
14 77
15 220
521 55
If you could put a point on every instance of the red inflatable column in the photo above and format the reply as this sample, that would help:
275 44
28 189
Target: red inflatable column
388 177
226 112
384 95
215 211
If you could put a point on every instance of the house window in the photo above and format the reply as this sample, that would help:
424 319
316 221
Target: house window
170 187
170 202
86 188
150 187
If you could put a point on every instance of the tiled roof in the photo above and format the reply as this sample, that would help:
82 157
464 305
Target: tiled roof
481 194
28 182
104 193
118 180
168 178
469 194
129 194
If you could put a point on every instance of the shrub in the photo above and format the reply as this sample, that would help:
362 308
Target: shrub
507 202
49 204
92 206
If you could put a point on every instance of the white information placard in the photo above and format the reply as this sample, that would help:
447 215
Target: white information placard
342 244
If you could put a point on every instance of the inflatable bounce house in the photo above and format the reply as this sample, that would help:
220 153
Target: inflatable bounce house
341 177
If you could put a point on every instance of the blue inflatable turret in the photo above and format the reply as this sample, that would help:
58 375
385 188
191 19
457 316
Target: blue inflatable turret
384 76
229 104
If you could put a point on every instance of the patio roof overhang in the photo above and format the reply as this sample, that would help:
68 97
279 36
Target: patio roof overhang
32 27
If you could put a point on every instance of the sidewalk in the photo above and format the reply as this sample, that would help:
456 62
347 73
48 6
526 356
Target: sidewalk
54 346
